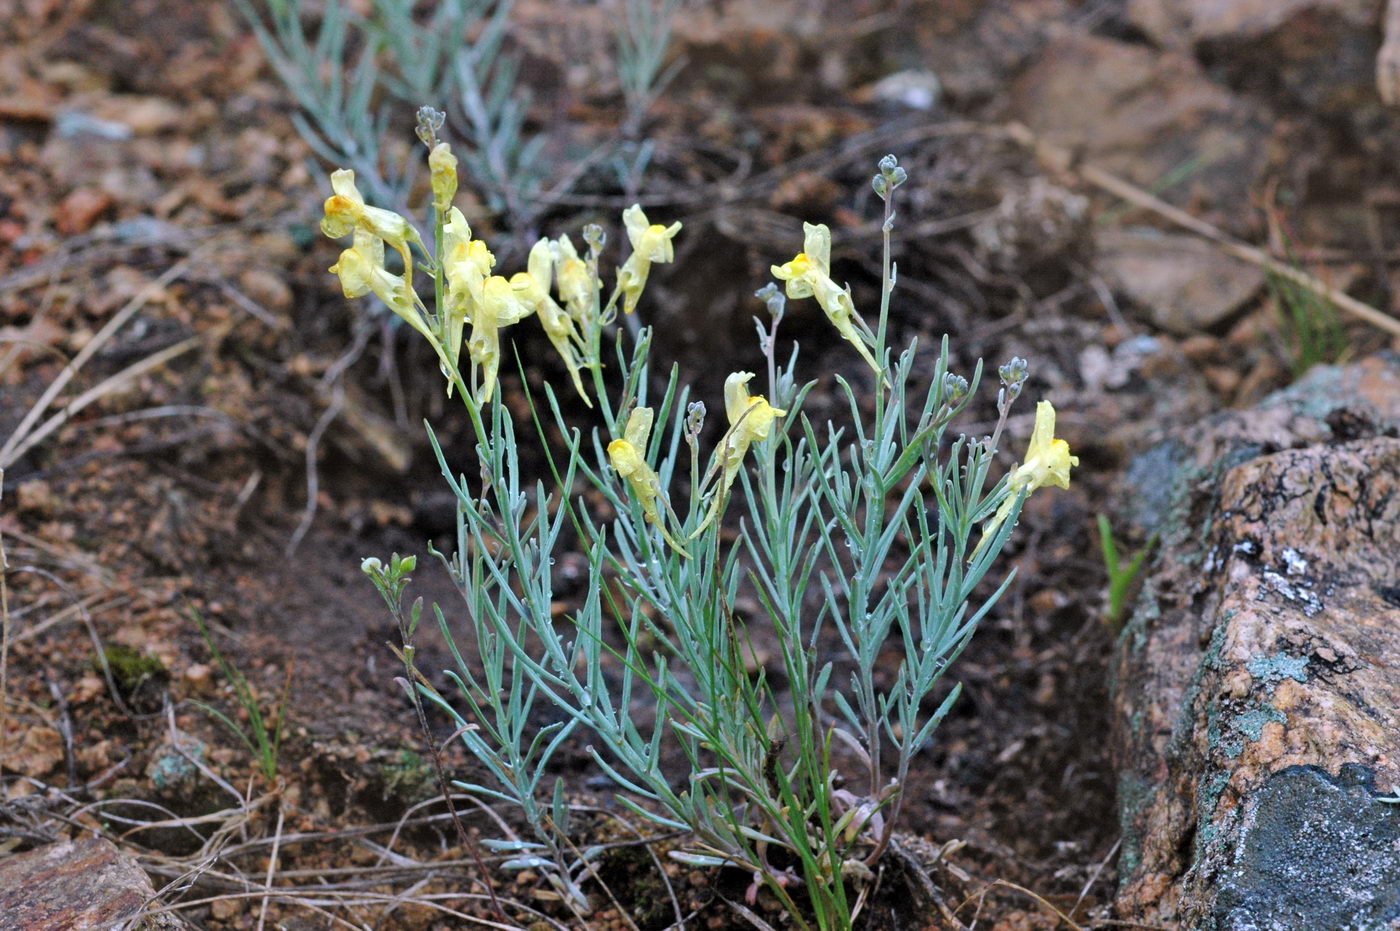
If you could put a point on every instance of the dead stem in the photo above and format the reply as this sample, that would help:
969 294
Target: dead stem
1061 160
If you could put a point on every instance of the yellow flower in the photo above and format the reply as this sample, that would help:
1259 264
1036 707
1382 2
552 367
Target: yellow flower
751 418
465 263
809 275
358 264
1047 463
499 306
651 242
532 287
628 457
361 270
346 211
442 170
577 288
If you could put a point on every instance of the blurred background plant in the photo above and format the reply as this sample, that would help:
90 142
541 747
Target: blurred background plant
1121 575
356 77
1312 326
643 37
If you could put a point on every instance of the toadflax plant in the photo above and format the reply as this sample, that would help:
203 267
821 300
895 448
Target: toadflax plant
873 534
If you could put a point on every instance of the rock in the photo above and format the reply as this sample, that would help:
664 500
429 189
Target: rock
1153 118
1317 55
77 212
1256 706
1186 285
76 886
1180 23
976 46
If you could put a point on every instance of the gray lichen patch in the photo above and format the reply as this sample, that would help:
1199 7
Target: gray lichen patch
1274 669
1229 731
1298 592
1313 852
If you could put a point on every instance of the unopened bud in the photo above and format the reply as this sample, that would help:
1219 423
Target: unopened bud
954 388
1013 377
694 418
773 296
595 237
442 168
429 122
894 175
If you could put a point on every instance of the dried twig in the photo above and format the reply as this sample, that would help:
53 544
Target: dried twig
129 310
1061 160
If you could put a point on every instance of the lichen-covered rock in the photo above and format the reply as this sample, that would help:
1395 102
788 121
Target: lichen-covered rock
1257 686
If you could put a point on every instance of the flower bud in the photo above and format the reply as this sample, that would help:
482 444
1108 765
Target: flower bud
774 297
442 168
595 237
429 122
954 388
1013 377
694 418
894 175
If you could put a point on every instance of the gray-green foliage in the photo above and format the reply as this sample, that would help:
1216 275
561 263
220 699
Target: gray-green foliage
352 75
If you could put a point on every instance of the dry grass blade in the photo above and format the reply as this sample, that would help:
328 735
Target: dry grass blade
103 336
4 634
1063 161
1006 884
106 387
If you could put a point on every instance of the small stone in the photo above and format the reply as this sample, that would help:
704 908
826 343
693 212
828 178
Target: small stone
36 497
266 288
1183 284
82 885
224 909
77 212
198 676
1223 379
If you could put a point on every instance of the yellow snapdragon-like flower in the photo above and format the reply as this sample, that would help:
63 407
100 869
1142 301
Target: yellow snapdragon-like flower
577 287
361 271
500 306
809 275
651 242
628 457
1047 463
346 210
532 287
466 263
751 418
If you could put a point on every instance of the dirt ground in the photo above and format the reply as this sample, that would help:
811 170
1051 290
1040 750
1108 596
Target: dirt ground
168 478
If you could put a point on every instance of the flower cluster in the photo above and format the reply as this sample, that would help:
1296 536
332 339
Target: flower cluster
474 304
